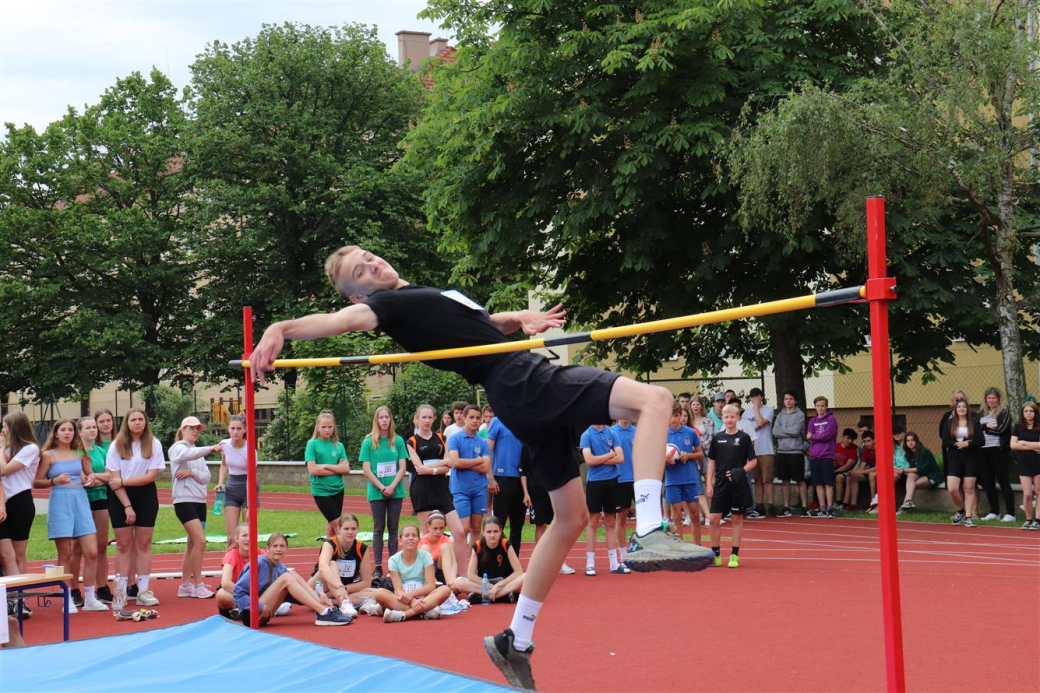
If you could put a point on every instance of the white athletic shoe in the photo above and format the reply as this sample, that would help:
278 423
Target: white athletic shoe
1008 518
93 604
147 598
283 609
72 607
566 569
186 590
392 616
371 607
989 517
347 609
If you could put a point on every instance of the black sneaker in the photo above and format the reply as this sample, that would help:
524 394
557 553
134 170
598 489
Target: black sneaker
26 611
514 665
104 594
830 513
377 574
131 592
77 598
786 512
753 514
958 517
838 506
806 513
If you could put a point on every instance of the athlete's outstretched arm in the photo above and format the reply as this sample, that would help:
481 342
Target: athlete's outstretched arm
355 318
532 322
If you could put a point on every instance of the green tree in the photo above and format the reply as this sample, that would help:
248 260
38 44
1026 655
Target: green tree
96 281
946 130
294 138
421 384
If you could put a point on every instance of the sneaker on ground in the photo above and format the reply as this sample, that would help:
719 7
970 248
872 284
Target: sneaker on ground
332 617
203 592
104 593
830 514
786 512
990 516
94 605
393 616
371 607
839 506
872 510
347 609
566 570
814 513
687 522
432 614
283 609
1036 525
726 518
186 590
73 609
1028 525
753 514
1008 518
661 551
957 518
717 563
514 664
910 505
621 570
590 571
132 592
968 522
119 600
734 561
76 597
147 598
806 512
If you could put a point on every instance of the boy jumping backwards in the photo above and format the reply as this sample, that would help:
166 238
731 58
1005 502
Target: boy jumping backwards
539 402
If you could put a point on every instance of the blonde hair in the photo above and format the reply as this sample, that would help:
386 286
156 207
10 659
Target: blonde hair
390 433
731 409
333 265
124 441
325 414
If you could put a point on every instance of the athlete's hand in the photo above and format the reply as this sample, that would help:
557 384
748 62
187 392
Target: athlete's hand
183 474
493 487
533 323
3 511
711 491
263 356
527 500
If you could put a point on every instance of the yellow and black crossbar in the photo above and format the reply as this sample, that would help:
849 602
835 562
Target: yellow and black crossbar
787 305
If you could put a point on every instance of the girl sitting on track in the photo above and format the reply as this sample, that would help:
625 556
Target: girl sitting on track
235 560
962 441
495 558
923 471
327 463
190 479
19 458
66 469
276 582
441 548
233 476
345 567
383 458
416 592
1025 441
133 462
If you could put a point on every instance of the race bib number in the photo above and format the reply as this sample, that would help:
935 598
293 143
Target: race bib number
347 569
412 585
386 469
464 300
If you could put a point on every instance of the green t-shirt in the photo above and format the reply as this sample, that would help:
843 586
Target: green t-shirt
98 453
384 461
325 452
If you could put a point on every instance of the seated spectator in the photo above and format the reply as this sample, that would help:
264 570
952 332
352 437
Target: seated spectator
496 559
345 567
235 561
416 593
846 453
899 463
922 470
275 582
441 548
864 470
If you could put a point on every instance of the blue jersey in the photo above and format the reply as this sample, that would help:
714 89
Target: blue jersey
623 439
686 440
508 448
600 443
468 447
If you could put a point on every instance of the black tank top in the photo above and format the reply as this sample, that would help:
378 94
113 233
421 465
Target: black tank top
432 449
350 564
494 562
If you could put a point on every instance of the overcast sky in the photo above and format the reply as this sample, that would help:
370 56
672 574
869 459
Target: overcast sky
54 54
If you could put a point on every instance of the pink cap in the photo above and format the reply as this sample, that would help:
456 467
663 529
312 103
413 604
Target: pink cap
193 421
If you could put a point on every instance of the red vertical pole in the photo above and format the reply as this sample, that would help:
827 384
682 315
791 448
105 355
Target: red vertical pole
251 500
881 289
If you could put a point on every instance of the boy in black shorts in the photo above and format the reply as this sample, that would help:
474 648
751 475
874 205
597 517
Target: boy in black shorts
539 402
731 458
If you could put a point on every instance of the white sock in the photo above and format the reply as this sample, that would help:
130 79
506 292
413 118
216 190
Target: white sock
523 622
612 558
121 583
89 593
648 505
142 582
622 551
590 559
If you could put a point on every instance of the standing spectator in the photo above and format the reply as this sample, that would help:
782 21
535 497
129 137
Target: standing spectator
760 416
486 415
326 464
1025 441
470 459
504 484
944 422
191 476
962 440
134 461
996 429
106 423
682 481
602 456
684 399
732 457
97 496
923 471
846 454
822 435
19 459
457 412
383 458
731 397
789 430
701 422
536 498
718 402
624 432
446 420
234 473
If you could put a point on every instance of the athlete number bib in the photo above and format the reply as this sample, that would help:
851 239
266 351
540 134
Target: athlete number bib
346 568
386 469
412 585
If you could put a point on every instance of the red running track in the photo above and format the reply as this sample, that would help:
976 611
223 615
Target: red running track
801 613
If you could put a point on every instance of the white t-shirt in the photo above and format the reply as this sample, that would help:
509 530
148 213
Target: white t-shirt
451 430
237 458
762 437
137 465
22 480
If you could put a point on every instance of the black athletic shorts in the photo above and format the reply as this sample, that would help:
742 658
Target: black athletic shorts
961 464
821 471
602 496
186 512
546 405
430 492
99 504
626 494
541 505
145 503
21 511
729 498
330 507
790 466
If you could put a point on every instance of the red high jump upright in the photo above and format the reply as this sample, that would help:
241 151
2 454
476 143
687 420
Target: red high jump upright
880 290
254 589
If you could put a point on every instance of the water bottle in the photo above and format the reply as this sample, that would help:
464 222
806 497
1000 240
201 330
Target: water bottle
485 591
319 588
218 503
